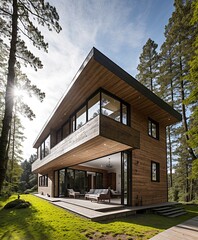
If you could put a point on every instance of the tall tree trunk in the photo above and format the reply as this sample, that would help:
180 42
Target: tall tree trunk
9 101
13 148
169 131
170 155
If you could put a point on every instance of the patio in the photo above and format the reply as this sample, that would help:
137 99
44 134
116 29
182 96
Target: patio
97 211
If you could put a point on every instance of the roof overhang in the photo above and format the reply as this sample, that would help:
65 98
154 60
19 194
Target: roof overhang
98 71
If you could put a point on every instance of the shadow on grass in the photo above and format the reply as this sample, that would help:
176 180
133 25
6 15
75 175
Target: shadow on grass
22 224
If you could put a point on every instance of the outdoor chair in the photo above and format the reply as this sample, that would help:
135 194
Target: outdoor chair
72 193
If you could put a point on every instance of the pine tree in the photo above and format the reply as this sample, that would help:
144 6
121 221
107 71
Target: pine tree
20 19
174 68
148 65
193 97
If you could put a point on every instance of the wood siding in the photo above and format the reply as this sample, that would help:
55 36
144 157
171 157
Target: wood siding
144 191
97 138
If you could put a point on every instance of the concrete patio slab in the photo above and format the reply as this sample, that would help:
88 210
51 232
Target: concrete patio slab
187 230
97 211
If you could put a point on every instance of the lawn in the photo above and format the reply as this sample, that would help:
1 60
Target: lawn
44 221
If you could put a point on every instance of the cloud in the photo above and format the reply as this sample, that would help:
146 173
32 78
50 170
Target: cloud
117 28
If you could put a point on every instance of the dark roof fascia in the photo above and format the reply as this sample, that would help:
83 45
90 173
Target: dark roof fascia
118 71
82 67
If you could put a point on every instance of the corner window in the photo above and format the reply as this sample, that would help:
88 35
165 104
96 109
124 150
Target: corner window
153 129
94 107
47 145
155 172
81 117
110 107
58 136
124 114
66 130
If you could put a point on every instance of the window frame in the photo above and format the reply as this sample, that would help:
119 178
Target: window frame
152 122
43 180
157 167
73 117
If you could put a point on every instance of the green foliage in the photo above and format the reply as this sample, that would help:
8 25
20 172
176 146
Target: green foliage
28 180
148 65
17 204
177 84
19 22
195 170
43 220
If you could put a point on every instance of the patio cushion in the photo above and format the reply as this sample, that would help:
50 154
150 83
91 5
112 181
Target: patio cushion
98 194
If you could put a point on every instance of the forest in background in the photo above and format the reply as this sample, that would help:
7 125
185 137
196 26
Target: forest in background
171 72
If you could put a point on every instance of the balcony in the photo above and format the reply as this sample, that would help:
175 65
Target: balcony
99 137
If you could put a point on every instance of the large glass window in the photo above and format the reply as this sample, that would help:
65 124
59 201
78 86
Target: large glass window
47 145
81 117
110 107
70 178
42 150
99 180
100 103
76 180
94 107
58 136
80 177
124 114
73 124
66 130
62 187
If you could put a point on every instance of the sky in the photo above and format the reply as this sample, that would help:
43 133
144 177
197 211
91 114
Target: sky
117 28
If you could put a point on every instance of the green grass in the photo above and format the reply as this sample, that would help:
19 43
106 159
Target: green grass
44 221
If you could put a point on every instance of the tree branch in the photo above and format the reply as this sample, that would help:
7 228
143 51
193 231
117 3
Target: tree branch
1 9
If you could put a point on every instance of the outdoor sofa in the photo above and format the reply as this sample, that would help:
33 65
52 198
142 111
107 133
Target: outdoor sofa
98 195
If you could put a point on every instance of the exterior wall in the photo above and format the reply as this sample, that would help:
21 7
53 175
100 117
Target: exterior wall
144 191
50 188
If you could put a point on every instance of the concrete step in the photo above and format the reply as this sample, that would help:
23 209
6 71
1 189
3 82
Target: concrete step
173 212
169 210
177 214
162 208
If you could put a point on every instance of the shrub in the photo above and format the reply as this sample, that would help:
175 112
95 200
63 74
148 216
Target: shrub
17 203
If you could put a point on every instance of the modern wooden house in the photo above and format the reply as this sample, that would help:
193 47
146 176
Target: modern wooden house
107 131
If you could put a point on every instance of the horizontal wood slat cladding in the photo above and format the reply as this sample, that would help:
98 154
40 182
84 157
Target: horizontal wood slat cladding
93 77
145 191
89 142
112 129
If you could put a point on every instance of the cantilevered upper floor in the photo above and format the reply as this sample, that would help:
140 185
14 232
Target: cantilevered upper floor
93 118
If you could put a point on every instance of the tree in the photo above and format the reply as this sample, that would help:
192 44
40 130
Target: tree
193 97
20 19
28 179
148 65
175 54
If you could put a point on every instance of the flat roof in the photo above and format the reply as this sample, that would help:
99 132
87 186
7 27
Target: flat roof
99 71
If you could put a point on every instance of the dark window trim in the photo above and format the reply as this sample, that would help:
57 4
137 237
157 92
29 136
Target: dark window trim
157 128
157 171
85 104
43 181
